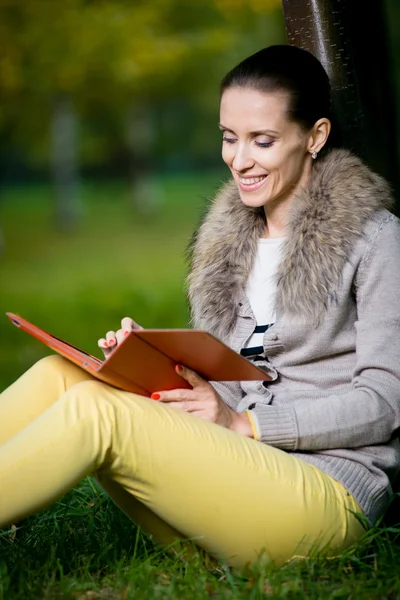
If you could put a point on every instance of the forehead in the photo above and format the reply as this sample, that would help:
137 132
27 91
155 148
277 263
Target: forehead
252 109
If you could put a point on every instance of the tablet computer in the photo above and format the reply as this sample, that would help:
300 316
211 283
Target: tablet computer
144 362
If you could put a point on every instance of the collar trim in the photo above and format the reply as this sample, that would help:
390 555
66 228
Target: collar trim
324 223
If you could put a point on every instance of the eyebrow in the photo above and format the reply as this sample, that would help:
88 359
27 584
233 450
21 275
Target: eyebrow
261 132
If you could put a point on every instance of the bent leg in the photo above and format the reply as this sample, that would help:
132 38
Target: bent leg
148 521
35 391
233 496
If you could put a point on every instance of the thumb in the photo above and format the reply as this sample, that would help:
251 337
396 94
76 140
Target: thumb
191 376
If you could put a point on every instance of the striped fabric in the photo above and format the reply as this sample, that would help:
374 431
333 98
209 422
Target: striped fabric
255 347
261 291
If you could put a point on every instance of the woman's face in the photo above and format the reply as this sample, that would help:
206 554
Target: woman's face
265 151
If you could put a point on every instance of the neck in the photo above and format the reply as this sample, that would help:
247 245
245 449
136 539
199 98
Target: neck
277 212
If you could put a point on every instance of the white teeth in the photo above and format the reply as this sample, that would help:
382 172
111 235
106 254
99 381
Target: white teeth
251 180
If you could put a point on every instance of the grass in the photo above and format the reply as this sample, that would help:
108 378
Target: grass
78 285
85 549
117 262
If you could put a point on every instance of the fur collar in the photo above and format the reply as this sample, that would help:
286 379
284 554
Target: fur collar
323 226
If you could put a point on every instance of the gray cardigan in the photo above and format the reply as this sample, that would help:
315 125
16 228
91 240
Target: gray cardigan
334 352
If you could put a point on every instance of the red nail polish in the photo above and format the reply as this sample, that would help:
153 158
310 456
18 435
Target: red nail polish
126 333
105 344
111 342
155 396
179 368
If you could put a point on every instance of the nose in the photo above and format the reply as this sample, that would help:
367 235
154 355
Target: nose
242 159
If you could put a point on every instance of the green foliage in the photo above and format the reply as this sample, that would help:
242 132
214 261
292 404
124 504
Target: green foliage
117 263
70 47
110 55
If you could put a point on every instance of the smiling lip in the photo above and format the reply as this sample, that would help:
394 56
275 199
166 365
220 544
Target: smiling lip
250 184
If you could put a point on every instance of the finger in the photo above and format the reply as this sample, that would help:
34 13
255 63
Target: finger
178 395
191 376
186 406
111 339
120 335
103 344
128 324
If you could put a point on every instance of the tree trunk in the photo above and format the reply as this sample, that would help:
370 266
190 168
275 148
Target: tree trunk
348 37
64 161
146 191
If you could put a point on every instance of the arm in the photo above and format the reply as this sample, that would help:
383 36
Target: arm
370 413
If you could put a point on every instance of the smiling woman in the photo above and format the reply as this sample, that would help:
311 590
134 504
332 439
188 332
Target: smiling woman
295 265
272 127
269 156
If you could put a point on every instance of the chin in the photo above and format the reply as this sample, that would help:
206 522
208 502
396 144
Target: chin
252 200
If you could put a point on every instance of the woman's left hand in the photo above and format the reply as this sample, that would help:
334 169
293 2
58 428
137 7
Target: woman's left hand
204 402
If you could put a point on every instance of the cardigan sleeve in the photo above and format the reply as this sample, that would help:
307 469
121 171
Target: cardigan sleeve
369 414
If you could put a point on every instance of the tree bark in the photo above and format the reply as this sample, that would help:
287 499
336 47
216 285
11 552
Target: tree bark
64 130
348 37
146 191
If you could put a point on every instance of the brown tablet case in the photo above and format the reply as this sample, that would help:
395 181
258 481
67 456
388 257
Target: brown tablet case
144 362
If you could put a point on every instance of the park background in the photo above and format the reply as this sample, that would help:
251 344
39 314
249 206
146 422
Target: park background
109 152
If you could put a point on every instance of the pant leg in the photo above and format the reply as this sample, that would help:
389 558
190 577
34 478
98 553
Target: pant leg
35 391
233 496
161 531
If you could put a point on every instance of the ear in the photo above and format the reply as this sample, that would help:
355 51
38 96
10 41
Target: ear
319 135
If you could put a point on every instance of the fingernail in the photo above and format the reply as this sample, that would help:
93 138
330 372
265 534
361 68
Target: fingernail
111 342
126 333
105 344
179 368
155 396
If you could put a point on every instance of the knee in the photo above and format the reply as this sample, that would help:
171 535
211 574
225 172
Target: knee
90 395
88 400
54 363
57 369
90 389
95 397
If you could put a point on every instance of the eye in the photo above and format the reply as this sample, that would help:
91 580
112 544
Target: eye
229 140
264 144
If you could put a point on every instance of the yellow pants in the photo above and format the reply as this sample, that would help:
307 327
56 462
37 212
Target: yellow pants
174 474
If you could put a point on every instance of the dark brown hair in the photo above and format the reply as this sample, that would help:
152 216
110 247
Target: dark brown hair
292 70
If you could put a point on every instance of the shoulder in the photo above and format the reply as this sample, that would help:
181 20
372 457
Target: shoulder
379 248
382 228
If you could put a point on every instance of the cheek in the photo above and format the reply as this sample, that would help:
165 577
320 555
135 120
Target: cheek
295 168
273 160
286 165
227 154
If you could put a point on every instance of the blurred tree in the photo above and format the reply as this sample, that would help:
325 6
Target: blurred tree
64 159
110 58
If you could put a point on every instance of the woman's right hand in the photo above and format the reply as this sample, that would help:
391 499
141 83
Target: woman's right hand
113 338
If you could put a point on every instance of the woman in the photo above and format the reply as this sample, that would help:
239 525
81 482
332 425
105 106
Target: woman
296 266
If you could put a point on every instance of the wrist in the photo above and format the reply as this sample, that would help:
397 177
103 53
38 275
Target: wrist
241 424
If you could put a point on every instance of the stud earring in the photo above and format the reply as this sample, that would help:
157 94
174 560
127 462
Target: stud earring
314 155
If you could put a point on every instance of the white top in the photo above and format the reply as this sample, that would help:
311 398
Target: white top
261 291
